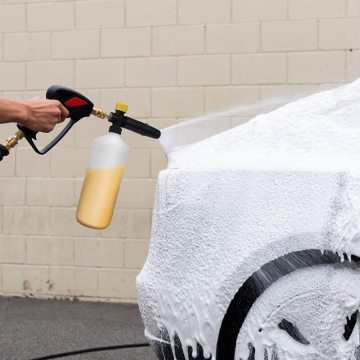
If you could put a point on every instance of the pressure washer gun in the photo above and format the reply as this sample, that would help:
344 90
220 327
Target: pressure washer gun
108 153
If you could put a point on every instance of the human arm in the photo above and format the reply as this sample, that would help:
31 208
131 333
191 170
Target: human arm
35 114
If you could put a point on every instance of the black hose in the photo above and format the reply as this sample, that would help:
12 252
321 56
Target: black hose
3 152
89 350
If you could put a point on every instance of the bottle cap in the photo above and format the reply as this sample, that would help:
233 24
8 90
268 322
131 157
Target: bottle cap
121 107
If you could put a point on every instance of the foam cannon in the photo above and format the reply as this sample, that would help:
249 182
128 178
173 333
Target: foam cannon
108 153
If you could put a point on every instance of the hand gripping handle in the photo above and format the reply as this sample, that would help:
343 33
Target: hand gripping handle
78 106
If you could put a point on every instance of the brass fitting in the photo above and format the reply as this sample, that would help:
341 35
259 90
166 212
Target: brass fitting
99 113
103 114
13 140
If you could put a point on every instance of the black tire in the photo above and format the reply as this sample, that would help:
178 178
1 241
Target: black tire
254 287
245 298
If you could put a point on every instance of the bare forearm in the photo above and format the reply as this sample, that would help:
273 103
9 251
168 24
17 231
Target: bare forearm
12 111
35 114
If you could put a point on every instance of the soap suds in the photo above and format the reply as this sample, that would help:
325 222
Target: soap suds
283 182
318 302
316 133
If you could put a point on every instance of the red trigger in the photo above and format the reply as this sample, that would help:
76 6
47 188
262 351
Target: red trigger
74 102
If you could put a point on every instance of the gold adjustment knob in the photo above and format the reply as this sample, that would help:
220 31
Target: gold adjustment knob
121 107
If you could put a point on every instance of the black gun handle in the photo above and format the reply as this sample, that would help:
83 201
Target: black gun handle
77 104
30 135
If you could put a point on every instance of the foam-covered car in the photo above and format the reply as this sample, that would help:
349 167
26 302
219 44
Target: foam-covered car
255 243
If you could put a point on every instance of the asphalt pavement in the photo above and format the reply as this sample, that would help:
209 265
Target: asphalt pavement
31 328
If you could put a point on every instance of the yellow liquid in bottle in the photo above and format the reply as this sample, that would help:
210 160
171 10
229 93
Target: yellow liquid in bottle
98 197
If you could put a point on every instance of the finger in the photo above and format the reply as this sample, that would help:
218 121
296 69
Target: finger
64 112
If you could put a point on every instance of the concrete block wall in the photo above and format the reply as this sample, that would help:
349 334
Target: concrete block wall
170 60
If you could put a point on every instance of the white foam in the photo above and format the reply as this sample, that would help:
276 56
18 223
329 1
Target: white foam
318 300
319 132
283 182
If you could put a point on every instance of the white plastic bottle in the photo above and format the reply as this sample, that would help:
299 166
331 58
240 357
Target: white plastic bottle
108 156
